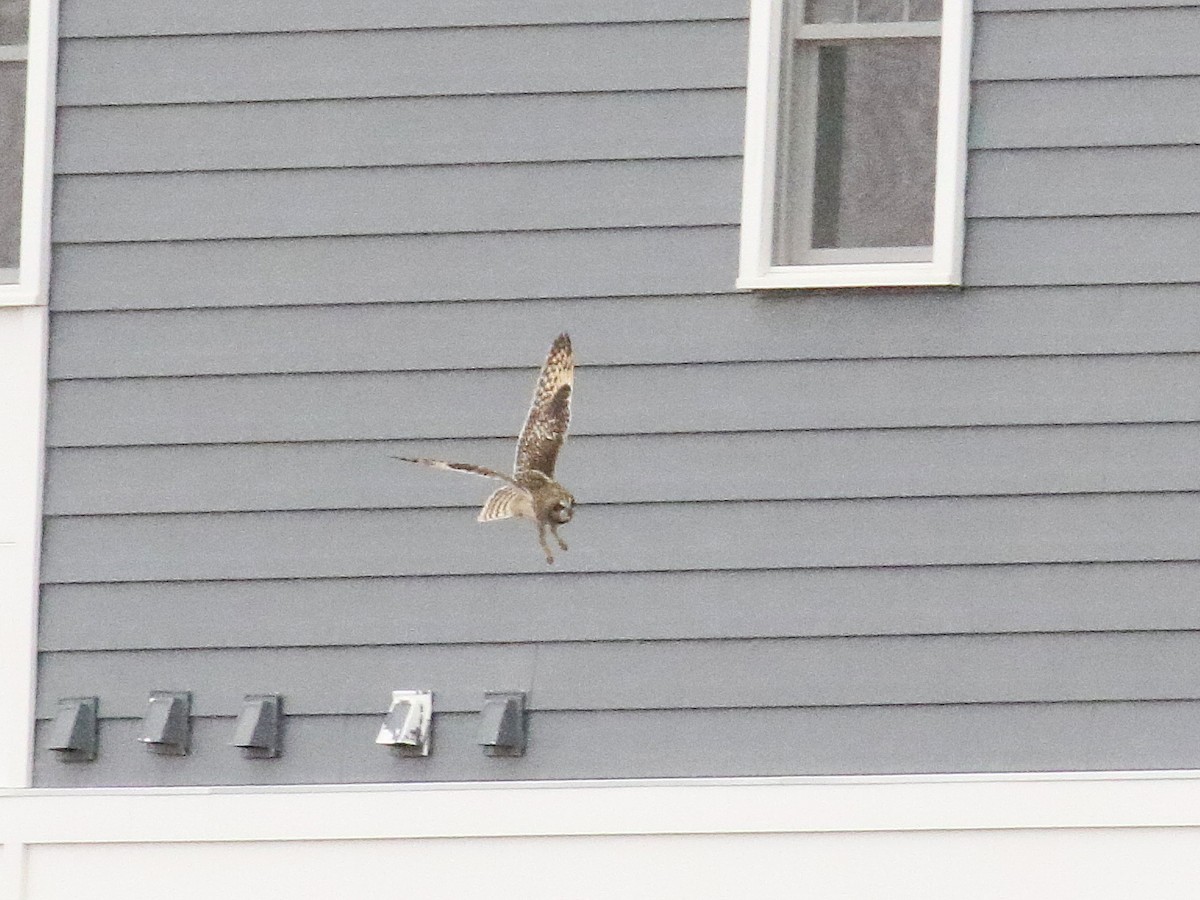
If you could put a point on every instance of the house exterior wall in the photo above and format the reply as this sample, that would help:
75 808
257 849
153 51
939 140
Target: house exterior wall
833 533
964 521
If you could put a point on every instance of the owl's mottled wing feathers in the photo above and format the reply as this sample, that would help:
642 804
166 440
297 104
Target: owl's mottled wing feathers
550 413
469 468
506 503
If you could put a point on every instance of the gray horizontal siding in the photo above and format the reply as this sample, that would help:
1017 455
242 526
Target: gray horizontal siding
380 132
685 329
625 400
447 130
836 671
1020 5
819 465
546 59
117 18
622 606
1098 112
1105 43
787 503
626 261
1094 182
1099 250
566 127
648 537
676 743
536 196
571 195
495 265
1099 43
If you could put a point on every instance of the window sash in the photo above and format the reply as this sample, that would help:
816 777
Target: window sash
861 31
796 195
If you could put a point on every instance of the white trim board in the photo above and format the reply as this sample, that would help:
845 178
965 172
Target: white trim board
23 354
23 334
685 806
1081 864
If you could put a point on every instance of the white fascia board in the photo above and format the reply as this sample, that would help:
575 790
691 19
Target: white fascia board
32 286
755 270
684 806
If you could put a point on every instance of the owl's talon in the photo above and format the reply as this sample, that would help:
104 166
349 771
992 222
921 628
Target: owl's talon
561 543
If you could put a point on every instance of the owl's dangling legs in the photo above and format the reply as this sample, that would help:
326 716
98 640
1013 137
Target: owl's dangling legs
545 547
554 531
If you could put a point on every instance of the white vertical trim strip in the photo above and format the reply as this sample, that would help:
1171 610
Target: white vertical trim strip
33 285
23 345
949 213
761 144
23 354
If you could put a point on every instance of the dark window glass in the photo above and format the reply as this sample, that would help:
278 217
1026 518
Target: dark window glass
876 143
924 10
825 11
880 10
14 21
12 130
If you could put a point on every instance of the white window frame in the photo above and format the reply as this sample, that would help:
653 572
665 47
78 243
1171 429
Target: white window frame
31 286
763 111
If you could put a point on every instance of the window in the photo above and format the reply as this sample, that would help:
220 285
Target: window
26 116
855 143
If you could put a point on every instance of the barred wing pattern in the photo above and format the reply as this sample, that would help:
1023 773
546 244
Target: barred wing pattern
469 468
550 413
506 503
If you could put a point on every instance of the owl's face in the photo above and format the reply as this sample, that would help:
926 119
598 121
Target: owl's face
562 509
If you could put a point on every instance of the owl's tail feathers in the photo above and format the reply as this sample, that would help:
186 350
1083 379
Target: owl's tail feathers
505 503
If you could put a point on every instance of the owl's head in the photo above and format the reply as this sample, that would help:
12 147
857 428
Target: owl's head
562 509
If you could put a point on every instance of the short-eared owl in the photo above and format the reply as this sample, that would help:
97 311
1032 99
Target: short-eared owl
531 491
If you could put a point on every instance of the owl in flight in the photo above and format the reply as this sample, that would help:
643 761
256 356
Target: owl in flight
531 491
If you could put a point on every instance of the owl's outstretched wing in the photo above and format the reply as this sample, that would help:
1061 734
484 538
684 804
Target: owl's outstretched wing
468 468
550 413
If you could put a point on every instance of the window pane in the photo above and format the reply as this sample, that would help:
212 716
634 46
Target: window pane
825 11
925 10
14 21
12 127
881 10
876 143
